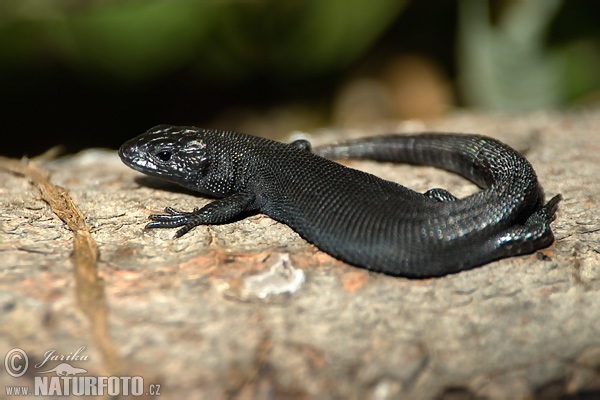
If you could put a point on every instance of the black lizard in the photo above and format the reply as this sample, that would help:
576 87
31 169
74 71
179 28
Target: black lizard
354 216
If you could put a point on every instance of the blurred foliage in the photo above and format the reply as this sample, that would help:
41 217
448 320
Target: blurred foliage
138 40
507 66
521 61
512 59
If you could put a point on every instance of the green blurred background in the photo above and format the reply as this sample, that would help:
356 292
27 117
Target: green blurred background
95 73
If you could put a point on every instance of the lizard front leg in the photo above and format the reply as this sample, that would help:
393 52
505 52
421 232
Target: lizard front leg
217 212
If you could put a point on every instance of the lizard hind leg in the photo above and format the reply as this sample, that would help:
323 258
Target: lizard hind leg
440 195
532 235
302 144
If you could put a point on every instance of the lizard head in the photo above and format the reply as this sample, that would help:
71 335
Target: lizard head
174 153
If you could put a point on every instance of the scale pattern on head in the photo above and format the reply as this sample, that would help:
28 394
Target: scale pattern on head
177 154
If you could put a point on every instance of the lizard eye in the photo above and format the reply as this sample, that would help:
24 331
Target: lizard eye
164 155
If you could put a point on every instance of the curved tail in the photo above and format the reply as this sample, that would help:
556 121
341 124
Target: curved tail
480 159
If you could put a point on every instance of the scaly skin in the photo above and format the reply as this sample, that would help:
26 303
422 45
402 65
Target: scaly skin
354 216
